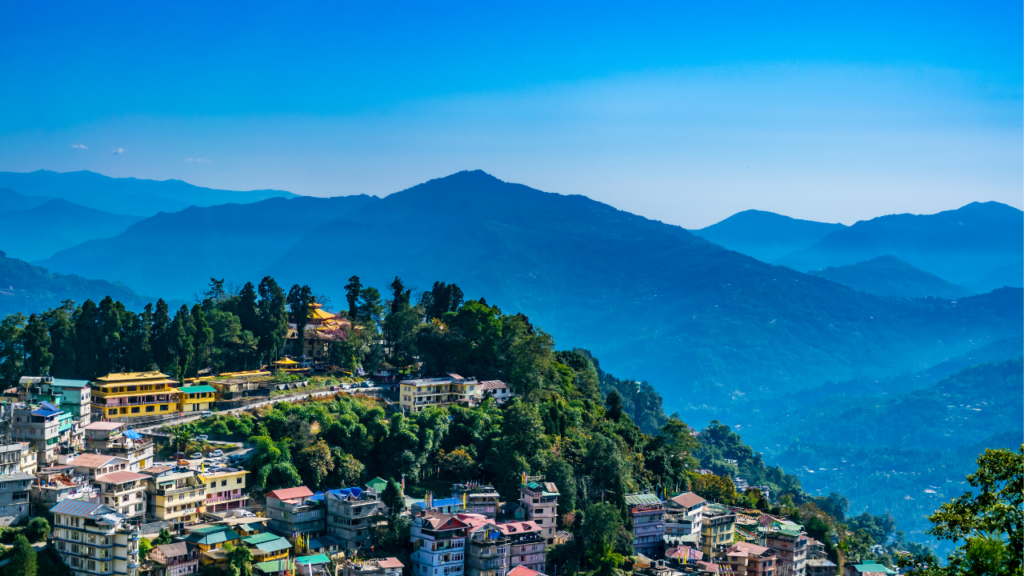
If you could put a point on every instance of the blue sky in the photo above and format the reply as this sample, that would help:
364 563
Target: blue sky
684 112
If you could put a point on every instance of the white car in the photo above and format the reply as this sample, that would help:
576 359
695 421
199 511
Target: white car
217 453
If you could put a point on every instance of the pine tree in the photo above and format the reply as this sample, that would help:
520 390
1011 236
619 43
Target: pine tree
352 292
161 337
12 351
182 331
248 313
300 298
139 348
273 318
202 339
62 339
87 341
37 347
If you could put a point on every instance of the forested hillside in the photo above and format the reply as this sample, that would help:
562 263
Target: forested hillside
26 288
705 325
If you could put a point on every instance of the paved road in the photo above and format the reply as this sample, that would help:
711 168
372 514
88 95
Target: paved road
243 450
152 430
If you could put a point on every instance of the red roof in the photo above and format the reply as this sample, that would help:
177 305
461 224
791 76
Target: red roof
119 477
687 499
91 460
290 493
523 571
390 562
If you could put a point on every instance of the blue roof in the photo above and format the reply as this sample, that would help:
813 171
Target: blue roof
45 413
82 508
447 502
342 493
132 434
70 383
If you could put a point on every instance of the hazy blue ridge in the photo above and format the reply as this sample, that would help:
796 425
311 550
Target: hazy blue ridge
175 255
131 196
979 246
765 235
54 225
11 201
890 276
704 324
27 288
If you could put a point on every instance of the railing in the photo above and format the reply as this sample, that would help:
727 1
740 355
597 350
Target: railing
237 496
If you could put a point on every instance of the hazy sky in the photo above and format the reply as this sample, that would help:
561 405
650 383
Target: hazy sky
682 112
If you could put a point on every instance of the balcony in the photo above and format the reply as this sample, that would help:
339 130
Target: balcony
232 497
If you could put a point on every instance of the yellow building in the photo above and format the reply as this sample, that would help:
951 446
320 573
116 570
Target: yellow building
717 529
211 541
174 496
417 395
225 489
129 395
196 398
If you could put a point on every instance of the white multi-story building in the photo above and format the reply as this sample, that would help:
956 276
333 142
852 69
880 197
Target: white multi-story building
683 516
93 539
439 544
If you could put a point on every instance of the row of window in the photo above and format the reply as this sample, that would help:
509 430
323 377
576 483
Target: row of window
137 409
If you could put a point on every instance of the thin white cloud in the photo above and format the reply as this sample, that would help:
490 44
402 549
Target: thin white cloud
117 151
80 146
203 160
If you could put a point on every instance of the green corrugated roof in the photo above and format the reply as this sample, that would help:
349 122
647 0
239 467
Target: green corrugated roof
274 545
642 499
315 559
274 566
259 538
194 389
207 529
793 533
212 538
378 484
873 567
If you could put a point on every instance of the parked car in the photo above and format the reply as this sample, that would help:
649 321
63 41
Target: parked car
217 453
202 437
183 462
196 455
180 456
206 412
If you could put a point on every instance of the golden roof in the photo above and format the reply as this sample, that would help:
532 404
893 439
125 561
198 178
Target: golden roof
286 361
134 377
321 314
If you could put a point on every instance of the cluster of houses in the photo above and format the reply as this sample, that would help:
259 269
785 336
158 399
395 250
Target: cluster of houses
68 447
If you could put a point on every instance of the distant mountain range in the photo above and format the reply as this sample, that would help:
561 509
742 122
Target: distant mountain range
130 196
890 276
53 225
175 255
703 323
26 288
648 298
765 235
979 246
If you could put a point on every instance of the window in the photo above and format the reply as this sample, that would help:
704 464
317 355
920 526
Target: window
150 408
238 480
223 482
135 410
